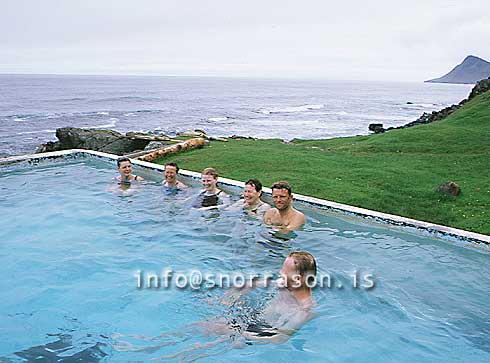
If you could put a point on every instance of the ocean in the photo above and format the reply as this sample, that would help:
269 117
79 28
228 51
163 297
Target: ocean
33 106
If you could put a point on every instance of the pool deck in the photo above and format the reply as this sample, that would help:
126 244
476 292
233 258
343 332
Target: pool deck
431 229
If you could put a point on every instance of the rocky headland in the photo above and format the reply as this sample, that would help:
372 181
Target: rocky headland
471 70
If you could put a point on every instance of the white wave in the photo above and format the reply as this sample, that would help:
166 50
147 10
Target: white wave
35 132
336 113
290 123
291 109
112 123
19 119
103 113
422 105
385 117
379 117
129 114
217 119
54 115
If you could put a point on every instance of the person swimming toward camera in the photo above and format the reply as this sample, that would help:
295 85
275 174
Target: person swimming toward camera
210 197
170 177
125 169
251 202
284 217
289 309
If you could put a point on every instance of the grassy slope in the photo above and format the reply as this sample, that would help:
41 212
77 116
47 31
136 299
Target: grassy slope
396 172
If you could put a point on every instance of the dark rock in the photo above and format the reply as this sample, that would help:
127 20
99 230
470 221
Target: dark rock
49 146
409 103
481 87
449 188
153 145
148 137
100 140
376 128
238 137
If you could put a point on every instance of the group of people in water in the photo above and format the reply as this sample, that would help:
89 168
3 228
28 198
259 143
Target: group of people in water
292 305
282 216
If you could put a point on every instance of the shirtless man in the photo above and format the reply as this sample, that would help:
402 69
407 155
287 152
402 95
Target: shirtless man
283 216
288 311
170 175
293 304
290 308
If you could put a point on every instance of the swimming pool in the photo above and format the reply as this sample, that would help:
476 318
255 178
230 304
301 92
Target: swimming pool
71 248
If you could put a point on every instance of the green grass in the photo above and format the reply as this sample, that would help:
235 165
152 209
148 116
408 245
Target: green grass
396 172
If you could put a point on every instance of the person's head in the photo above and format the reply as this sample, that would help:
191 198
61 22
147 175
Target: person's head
252 190
209 178
281 195
298 268
124 166
171 171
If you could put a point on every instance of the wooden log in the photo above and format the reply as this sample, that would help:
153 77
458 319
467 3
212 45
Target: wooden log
173 149
137 154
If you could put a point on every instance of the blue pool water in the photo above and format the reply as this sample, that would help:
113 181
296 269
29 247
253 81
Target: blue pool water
70 250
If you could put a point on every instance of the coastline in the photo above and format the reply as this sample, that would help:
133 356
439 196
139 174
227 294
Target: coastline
261 108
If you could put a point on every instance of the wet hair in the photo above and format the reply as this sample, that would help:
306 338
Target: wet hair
282 185
255 183
122 160
174 164
305 263
210 171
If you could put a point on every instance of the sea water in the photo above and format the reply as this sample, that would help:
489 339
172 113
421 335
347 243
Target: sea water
33 106
72 246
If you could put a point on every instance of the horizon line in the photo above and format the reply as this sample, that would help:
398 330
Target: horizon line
272 77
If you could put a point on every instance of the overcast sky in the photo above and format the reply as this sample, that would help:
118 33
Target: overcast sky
356 40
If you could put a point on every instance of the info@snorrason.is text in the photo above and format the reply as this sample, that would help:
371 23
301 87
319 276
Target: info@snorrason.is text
196 279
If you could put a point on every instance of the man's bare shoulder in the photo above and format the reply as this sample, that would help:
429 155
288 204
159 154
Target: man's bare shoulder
269 214
299 215
297 220
181 185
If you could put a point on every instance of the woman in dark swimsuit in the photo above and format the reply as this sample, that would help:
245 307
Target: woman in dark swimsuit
210 196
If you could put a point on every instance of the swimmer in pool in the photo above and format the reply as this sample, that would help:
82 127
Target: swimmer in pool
125 170
210 197
293 304
251 202
170 177
284 217
289 310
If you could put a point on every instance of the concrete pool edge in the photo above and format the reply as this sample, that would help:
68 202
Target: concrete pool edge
436 230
